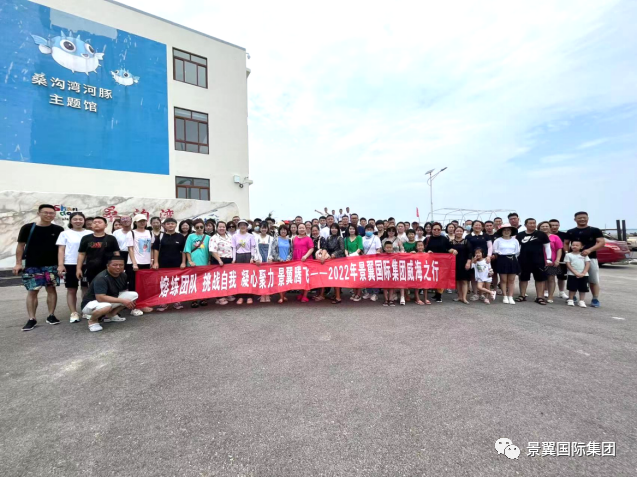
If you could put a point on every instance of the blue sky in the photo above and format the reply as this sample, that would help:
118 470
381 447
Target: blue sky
532 106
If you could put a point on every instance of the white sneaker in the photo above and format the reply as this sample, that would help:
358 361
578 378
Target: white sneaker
115 318
493 294
136 313
366 295
373 298
570 302
95 327
546 293
356 298
563 295
75 317
86 316
402 301
473 298
511 301
505 300
581 303
177 306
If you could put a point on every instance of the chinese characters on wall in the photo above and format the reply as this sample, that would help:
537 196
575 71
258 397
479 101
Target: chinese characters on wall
39 79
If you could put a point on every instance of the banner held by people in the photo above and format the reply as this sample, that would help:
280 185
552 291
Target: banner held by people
392 271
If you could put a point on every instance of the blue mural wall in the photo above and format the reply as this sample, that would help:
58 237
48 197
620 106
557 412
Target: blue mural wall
78 93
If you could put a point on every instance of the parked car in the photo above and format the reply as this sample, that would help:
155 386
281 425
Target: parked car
614 252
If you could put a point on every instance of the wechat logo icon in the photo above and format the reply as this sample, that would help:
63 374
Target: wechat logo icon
505 447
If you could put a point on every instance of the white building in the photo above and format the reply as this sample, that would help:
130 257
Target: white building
185 137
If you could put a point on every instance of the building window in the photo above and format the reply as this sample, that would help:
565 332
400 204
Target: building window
190 68
191 131
192 188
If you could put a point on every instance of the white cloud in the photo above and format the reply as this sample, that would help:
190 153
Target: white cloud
557 158
592 144
360 98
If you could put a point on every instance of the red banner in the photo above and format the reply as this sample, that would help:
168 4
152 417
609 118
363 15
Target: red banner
386 271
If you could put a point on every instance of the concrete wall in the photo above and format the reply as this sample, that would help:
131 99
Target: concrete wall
225 101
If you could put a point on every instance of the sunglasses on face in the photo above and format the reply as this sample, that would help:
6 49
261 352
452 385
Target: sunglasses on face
198 227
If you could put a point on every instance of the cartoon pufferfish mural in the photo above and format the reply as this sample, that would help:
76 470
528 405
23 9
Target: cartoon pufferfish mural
124 77
71 53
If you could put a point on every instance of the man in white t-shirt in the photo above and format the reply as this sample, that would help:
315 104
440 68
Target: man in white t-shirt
371 246
402 233
325 231
123 236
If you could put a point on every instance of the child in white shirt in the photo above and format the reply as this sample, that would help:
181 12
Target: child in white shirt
577 267
483 274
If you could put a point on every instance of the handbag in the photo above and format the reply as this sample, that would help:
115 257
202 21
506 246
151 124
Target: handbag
24 253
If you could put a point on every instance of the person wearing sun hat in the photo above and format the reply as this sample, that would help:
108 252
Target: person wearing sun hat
507 249
139 254
244 251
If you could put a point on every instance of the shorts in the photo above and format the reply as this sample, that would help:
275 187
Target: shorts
70 278
130 274
90 274
94 305
593 272
539 272
577 284
34 278
552 270
562 272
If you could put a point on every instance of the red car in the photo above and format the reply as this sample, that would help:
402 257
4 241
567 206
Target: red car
613 251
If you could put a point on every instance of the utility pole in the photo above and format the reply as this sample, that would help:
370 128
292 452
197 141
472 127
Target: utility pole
430 181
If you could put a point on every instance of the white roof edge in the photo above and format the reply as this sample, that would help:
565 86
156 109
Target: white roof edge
173 23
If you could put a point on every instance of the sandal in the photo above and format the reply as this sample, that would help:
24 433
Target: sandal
540 300
240 302
249 301
203 303
337 301
420 302
427 302
392 303
386 303
223 302
280 301
194 305
521 299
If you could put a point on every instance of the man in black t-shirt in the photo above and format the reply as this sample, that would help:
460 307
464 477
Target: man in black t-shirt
592 240
561 276
96 248
107 295
535 254
168 251
36 245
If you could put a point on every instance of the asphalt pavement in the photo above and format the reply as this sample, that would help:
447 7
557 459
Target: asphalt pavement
322 389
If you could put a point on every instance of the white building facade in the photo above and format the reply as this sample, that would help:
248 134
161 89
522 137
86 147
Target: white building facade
102 99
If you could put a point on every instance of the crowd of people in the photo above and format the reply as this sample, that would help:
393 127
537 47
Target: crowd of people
490 255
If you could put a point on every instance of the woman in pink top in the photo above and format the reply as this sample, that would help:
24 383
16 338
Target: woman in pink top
553 267
303 248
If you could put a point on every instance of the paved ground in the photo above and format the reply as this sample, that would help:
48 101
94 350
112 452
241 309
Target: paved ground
317 389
